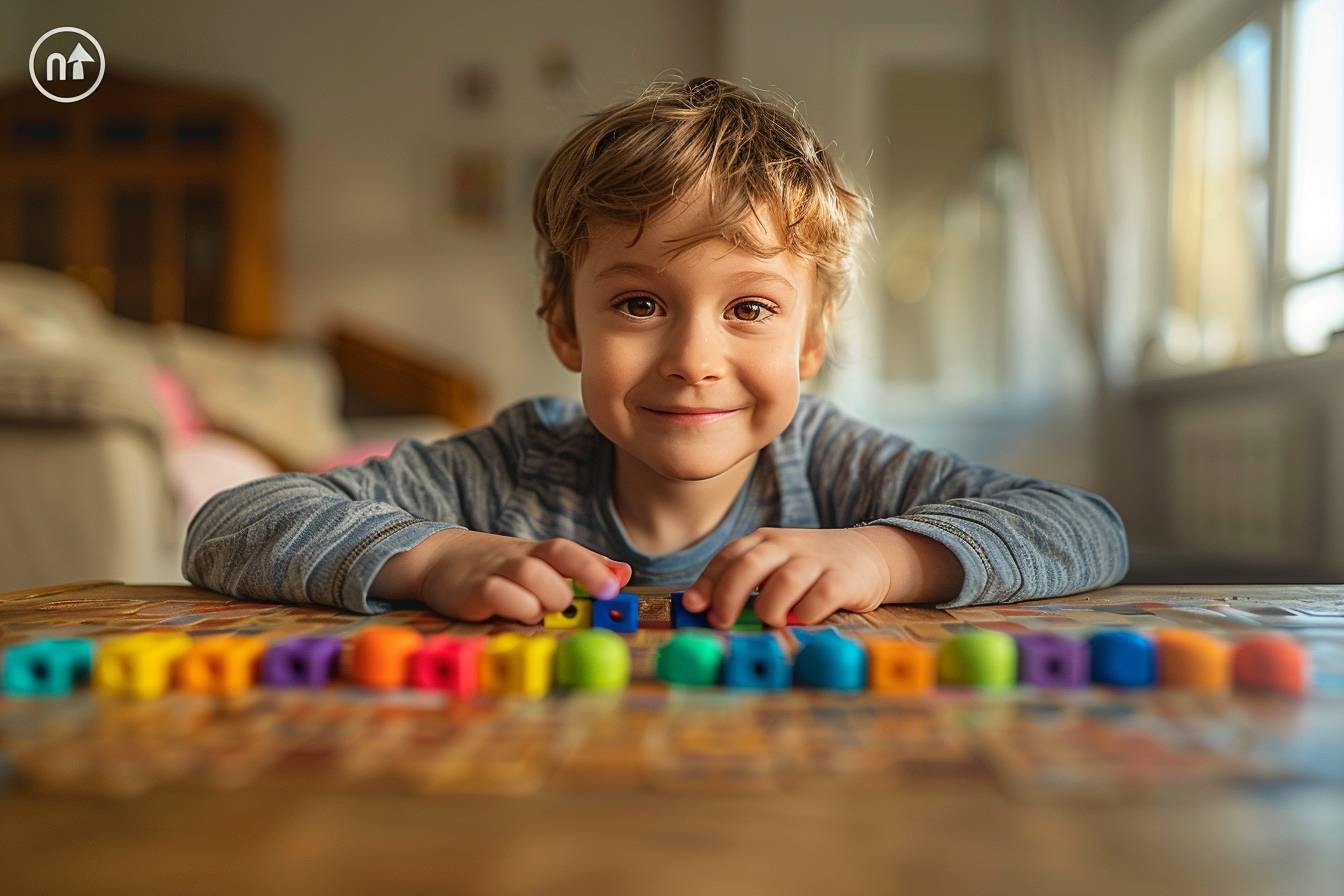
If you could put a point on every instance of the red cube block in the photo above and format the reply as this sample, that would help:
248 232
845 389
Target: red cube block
445 663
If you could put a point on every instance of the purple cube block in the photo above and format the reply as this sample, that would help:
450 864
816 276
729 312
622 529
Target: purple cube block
1048 660
300 662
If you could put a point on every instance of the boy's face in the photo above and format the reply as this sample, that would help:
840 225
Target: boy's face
695 367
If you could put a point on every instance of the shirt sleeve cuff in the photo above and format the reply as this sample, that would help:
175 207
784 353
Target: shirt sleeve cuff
980 583
361 565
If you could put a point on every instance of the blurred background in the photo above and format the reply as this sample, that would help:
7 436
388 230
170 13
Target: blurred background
281 236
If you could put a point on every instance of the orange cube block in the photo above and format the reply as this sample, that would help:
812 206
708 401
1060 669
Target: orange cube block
900 667
1194 660
224 665
1270 662
382 654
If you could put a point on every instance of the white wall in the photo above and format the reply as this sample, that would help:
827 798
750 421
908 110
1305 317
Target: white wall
360 90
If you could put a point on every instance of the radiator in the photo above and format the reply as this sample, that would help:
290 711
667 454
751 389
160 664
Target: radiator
1244 481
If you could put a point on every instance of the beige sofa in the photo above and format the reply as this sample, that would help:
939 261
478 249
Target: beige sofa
99 474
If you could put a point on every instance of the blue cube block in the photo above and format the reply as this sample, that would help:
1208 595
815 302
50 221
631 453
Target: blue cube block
47 668
617 614
831 661
684 618
756 662
1123 658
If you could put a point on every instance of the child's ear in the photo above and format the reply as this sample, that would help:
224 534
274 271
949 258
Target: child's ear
564 341
814 348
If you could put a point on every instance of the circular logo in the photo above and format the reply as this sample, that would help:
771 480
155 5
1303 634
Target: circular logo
67 64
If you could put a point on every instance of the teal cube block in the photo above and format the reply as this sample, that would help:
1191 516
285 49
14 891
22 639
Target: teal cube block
47 668
830 661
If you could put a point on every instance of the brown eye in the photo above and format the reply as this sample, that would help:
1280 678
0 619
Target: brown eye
749 312
639 306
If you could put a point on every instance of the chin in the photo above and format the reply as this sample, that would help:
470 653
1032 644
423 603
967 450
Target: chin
689 470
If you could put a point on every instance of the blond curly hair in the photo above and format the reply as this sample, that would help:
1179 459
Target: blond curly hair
633 159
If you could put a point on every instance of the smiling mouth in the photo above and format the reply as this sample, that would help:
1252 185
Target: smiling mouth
693 417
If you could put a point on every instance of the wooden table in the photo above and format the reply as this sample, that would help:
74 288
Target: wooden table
957 836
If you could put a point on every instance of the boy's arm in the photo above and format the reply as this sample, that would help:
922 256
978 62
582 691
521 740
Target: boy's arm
322 538
1016 537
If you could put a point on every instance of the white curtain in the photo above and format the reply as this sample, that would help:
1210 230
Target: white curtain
1058 77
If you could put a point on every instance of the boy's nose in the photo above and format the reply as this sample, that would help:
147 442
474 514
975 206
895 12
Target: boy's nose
692 354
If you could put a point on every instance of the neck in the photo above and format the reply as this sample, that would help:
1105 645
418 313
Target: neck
662 515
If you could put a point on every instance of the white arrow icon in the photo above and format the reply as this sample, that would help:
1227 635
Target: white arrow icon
78 57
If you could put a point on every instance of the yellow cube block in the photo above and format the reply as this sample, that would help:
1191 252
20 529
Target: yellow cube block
579 614
224 665
501 671
538 665
138 665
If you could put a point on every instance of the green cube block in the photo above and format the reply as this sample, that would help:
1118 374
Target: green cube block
593 659
691 658
980 659
748 621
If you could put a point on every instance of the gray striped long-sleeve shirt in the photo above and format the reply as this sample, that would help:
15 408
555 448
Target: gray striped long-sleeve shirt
541 470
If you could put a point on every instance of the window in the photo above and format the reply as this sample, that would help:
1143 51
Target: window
1256 216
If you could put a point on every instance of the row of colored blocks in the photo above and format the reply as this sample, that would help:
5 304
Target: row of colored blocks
621 613
147 664
1177 658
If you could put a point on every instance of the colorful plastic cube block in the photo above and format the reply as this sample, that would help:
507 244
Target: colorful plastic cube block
537 658
446 663
747 620
223 665
1050 660
831 661
593 660
138 665
617 614
1270 662
900 667
1122 658
1193 660
381 655
301 662
694 659
684 618
981 659
756 662
578 614
47 668
500 670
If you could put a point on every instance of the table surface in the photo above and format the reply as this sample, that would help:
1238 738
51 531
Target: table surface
965 834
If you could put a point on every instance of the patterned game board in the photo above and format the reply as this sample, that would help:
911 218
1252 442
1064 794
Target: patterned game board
1034 744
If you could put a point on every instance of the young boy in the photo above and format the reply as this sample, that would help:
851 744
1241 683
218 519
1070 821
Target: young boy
696 244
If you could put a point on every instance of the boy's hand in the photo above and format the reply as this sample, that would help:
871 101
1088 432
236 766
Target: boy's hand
474 575
804 575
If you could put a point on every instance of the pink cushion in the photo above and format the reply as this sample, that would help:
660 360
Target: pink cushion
208 463
182 418
357 454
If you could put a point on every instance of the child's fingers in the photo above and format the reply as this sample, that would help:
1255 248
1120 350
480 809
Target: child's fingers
698 597
785 587
511 600
820 601
588 568
541 579
740 579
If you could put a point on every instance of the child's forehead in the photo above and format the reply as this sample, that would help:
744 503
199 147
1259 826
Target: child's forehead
686 235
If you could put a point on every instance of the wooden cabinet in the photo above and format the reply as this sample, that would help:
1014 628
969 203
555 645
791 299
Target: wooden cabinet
163 198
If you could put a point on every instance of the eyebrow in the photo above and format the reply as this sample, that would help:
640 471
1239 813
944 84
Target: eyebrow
634 267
